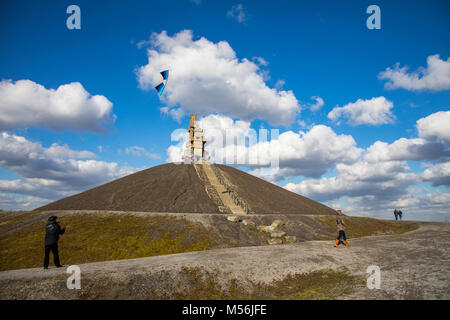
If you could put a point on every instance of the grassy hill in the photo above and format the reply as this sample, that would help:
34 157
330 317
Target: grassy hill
99 236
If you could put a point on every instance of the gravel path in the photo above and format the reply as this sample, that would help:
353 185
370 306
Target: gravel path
414 265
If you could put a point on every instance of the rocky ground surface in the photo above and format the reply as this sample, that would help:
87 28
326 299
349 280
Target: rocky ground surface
414 265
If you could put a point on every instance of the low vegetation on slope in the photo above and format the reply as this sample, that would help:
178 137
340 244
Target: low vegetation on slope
362 227
194 283
99 237
189 283
13 219
321 284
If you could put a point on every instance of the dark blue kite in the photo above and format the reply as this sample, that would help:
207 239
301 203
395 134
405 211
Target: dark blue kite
160 87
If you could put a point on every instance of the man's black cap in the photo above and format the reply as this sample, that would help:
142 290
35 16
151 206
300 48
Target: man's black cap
52 218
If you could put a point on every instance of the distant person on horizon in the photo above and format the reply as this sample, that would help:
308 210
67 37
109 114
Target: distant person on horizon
396 214
52 232
399 212
341 229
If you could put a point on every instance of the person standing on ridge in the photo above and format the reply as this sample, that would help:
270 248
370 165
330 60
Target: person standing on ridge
341 229
52 232
400 214
396 214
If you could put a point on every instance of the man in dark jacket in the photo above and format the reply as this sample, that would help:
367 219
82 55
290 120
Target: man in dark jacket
52 232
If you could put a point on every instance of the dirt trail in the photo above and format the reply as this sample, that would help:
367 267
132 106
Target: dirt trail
414 265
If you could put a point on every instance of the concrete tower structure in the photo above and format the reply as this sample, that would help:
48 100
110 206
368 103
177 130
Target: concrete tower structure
195 146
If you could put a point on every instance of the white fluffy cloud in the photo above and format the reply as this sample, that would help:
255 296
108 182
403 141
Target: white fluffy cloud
435 77
237 12
438 175
435 127
318 104
312 153
47 172
137 151
407 149
207 77
17 202
382 180
25 103
432 144
58 151
261 61
44 189
375 111
416 204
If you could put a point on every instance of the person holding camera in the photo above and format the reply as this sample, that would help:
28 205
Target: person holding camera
52 232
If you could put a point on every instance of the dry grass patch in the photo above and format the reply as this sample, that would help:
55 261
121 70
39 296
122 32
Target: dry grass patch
91 238
198 283
12 218
316 285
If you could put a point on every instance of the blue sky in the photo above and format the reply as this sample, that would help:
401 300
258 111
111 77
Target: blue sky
302 49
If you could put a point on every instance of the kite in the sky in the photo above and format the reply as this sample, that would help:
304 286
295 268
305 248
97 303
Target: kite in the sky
160 87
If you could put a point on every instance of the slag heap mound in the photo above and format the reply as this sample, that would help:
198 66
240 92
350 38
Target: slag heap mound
184 188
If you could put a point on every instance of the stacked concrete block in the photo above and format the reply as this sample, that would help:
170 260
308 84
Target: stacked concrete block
273 241
290 238
277 223
233 218
277 234
195 146
248 223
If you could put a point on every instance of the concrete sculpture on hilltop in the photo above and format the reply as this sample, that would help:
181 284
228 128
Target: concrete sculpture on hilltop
195 146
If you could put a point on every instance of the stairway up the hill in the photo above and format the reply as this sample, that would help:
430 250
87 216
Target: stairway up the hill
223 193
